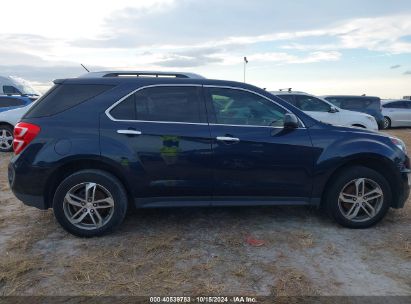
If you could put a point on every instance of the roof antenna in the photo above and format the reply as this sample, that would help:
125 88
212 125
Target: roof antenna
84 67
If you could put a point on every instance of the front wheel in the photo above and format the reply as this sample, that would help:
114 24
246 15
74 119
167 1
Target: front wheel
358 198
90 203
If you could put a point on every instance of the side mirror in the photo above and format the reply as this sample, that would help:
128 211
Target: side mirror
333 110
290 121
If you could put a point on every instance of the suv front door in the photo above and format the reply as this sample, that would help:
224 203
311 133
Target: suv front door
161 138
255 158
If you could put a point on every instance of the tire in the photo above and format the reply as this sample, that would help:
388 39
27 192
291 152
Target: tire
6 138
102 211
387 122
346 182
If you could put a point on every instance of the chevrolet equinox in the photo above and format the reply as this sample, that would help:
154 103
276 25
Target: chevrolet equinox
93 146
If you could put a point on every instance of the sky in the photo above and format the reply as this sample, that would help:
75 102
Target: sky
318 46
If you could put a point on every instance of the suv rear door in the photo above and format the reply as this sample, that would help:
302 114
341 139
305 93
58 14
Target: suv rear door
254 156
161 138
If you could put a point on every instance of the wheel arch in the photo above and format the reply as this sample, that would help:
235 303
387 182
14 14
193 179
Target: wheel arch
72 166
379 163
5 123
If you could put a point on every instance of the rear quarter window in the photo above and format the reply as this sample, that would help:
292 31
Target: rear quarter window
62 97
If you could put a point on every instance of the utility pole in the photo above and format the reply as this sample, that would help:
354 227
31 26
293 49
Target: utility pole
245 64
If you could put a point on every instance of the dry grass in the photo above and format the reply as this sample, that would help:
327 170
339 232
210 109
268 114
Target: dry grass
292 282
14 270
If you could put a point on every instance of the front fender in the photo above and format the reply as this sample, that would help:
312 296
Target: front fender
339 149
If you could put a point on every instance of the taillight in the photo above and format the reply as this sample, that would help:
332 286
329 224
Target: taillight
24 133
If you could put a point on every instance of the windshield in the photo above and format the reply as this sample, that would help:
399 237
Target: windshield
24 86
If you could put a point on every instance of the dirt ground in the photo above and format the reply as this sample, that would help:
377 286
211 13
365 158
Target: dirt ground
204 252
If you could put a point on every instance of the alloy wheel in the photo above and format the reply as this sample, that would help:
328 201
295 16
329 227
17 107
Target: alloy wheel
360 200
6 139
386 123
88 206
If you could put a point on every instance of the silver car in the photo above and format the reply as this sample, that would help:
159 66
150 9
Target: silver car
397 113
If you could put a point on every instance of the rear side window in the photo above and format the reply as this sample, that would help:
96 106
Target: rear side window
165 104
63 97
396 105
10 102
356 104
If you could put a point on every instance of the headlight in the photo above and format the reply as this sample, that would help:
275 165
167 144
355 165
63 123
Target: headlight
371 118
399 143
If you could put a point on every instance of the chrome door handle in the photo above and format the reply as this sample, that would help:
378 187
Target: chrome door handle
227 138
129 132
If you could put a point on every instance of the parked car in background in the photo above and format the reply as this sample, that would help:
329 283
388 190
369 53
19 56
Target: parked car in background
9 102
92 146
397 113
326 112
10 85
366 104
8 119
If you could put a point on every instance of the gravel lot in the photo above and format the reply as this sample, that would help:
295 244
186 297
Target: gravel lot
204 251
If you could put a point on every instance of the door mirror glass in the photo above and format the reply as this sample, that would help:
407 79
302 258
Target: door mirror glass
290 121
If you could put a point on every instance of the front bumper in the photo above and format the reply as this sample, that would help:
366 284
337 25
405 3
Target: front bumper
404 188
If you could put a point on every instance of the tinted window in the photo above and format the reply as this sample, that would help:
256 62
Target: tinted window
355 103
126 110
396 104
310 103
65 96
10 90
238 107
174 104
288 98
10 102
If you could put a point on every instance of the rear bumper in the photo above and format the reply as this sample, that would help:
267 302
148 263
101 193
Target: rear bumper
28 184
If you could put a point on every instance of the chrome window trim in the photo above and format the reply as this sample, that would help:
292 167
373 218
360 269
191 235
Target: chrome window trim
107 112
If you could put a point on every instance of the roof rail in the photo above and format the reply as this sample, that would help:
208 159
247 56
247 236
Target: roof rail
141 74
286 89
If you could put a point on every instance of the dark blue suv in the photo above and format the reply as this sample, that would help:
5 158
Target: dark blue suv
93 146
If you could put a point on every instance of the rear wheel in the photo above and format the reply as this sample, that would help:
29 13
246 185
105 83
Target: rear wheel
6 138
387 123
90 203
358 198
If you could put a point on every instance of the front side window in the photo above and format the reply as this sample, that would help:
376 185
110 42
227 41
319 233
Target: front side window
335 101
237 107
164 104
289 98
313 104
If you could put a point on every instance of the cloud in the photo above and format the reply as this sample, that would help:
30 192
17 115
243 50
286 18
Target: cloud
215 22
407 72
395 66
